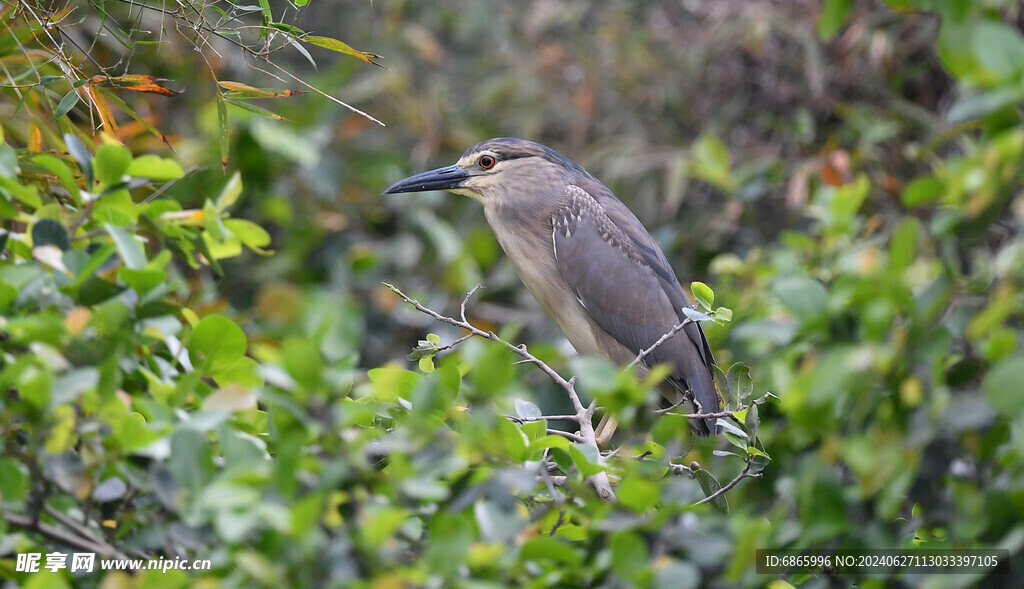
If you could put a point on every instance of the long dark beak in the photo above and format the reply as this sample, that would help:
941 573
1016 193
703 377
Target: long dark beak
439 179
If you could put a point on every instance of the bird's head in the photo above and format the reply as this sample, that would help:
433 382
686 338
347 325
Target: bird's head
498 171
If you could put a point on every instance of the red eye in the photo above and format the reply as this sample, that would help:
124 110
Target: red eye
486 162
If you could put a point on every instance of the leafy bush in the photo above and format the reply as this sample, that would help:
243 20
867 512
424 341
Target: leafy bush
172 387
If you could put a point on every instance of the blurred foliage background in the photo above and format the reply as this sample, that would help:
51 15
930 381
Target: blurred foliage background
846 175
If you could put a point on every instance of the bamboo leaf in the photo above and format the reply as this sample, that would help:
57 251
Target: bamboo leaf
65 105
340 47
239 90
254 109
222 118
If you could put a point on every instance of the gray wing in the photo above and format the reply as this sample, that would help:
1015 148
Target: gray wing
622 278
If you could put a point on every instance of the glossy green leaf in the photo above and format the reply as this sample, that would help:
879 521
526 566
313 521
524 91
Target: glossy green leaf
216 342
705 296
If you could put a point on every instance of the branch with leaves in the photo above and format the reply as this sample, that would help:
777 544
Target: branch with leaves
583 416
734 383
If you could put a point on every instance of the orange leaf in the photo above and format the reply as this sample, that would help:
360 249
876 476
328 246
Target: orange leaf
136 83
35 137
103 109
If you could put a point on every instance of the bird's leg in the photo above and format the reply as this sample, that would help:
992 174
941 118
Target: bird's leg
605 430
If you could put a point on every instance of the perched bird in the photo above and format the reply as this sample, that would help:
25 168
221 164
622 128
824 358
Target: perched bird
586 259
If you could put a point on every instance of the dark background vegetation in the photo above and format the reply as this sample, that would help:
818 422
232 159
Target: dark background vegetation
845 175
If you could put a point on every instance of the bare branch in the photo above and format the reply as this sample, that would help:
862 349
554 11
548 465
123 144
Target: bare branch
643 353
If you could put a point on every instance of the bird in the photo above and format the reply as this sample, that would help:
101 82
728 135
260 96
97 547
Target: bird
588 261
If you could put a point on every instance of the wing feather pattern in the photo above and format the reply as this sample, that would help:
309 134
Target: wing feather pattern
624 281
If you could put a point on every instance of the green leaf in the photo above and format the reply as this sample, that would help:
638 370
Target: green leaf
222 121
154 168
230 193
586 458
722 315
190 460
65 105
803 296
50 232
13 480
133 433
751 421
338 46
379 523
695 315
513 439
705 296
740 382
81 155
999 48
1002 385
637 493
544 548
258 110
527 409
250 235
229 247
903 246
537 447
244 372
131 251
303 361
711 162
629 555
58 168
833 16
111 163
426 365
392 383
710 485
921 191
116 208
28 195
8 161
141 281
216 342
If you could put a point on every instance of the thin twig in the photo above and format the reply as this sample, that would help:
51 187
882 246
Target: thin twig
62 536
744 474
584 415
643 353
518 419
